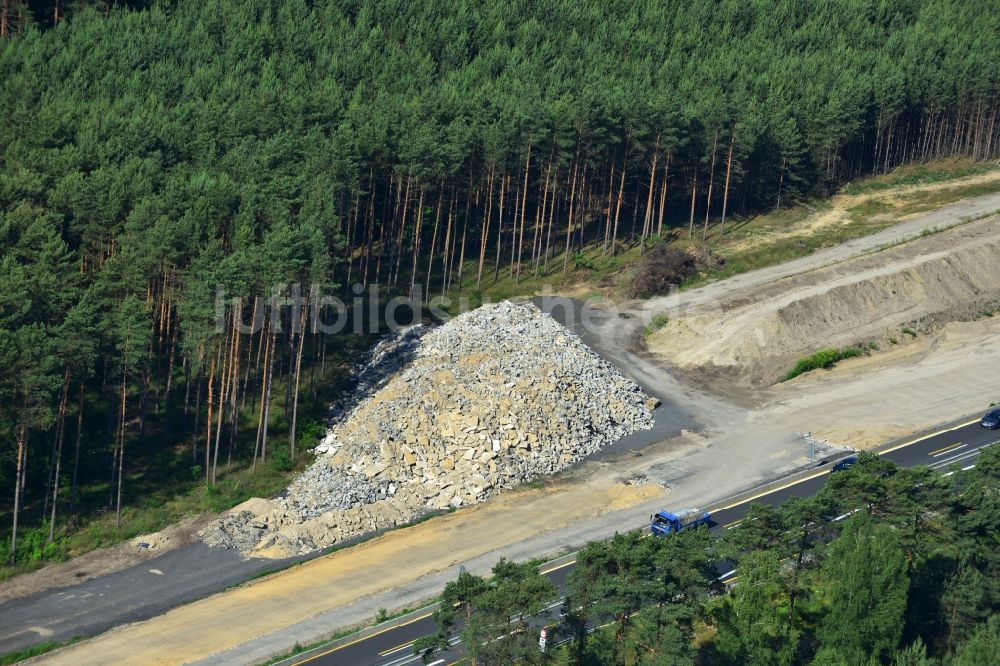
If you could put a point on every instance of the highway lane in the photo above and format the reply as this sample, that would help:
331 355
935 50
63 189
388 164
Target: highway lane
133 594
956 448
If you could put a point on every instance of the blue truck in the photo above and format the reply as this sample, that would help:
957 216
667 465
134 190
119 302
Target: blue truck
664 522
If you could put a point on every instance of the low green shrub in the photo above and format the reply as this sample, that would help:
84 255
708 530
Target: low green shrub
281 460
582 261
655 324
824 358
311 432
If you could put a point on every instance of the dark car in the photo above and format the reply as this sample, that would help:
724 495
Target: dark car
845 464
992 420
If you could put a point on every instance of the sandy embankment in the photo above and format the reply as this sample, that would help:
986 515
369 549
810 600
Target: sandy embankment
878 301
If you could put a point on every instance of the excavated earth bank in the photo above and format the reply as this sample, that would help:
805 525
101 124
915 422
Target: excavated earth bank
445 417
875 301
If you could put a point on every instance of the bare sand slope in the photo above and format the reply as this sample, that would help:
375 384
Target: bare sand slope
867 400
756 334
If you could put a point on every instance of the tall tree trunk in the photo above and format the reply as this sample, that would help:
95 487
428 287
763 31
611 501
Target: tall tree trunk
295 392
618 208
76 454
536 243
246 377
417 226
581 207
22 437
402 230
513 228
552 217
52 470
524 208
572 209
144 393
694 190
647 220
663 197
196 429
187 383
465 229
121 440
170 374
486 227
268 337
434 240
208 419
267 402
448 251
711 182
878 141
725 194
60 431
607 210
504 182
225 388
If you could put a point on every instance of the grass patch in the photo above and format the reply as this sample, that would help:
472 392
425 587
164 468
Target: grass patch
918 174
869 208
35 650
655 324
825 359
910 332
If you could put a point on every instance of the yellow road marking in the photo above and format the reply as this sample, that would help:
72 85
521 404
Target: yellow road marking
561 566
365 638
393 649
933 434
947 448
732 524
763 493
827 471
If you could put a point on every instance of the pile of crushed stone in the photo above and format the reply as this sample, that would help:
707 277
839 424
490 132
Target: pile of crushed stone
444 417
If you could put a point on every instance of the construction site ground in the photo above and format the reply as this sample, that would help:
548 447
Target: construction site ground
716 434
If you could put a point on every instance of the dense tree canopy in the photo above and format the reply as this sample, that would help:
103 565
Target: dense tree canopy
150 151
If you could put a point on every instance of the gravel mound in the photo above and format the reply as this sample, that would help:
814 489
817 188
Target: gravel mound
445 417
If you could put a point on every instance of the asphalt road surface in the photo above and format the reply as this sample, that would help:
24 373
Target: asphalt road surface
393 646
178 576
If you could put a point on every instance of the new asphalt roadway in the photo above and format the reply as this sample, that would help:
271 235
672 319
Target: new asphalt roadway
954 448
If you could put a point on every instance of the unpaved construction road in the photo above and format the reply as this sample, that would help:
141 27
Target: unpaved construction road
714 439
